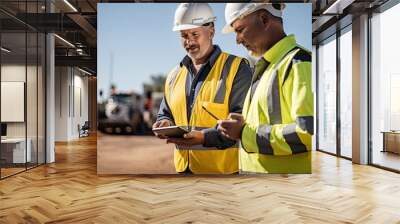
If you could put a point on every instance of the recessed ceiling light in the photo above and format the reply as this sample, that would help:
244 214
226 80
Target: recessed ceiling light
5 50
84 71
65 41
70 5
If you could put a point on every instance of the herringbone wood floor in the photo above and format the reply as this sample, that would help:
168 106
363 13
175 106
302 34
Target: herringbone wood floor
69 191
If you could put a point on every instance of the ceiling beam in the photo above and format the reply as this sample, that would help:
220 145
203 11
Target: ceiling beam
82 61
84 24
337 7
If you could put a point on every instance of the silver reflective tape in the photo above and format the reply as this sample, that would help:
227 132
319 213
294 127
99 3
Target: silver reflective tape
221 87
263 139
274 105
293 140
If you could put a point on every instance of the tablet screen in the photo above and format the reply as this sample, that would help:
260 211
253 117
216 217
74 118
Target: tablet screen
172 131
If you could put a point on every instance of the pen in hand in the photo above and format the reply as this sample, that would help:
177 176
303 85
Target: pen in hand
211 114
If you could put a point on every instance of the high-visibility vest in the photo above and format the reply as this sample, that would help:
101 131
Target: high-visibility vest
278 129
214 96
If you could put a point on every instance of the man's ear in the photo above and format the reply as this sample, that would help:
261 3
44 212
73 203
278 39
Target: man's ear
212 32
264 18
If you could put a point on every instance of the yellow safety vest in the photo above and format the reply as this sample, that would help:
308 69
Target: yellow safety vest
214 96
279 116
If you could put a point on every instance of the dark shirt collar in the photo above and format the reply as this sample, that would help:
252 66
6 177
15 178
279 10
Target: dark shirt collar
187 62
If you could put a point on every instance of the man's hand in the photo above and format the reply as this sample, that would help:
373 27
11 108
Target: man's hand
232 127
191 138
162 123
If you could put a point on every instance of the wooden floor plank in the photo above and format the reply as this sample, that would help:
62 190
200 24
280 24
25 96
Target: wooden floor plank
70 191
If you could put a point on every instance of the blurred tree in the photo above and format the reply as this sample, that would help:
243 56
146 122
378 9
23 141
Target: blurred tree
156 84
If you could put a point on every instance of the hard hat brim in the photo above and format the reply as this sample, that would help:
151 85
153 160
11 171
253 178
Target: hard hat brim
184 27
227 29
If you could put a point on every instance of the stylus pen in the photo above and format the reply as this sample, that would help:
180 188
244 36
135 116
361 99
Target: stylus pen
211 114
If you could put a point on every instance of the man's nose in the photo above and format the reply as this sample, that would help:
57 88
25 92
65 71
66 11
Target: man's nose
239 39
189 41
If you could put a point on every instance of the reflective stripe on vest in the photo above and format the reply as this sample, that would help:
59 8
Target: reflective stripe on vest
274 105
221 88
293 140
275 113
276 138
263 139
214 96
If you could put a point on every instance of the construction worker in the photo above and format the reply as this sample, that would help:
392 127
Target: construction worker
207 85
276 127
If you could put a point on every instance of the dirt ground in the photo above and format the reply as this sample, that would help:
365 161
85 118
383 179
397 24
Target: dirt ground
118 154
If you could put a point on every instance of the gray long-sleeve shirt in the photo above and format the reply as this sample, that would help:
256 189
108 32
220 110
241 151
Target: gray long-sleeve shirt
240 86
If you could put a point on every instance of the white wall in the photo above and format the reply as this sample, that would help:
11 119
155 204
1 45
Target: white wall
61 103
33 126
12 73
71 94
79 112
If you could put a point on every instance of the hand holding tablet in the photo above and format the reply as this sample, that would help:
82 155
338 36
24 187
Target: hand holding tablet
171 131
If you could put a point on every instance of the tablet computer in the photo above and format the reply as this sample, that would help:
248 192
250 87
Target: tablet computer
172 131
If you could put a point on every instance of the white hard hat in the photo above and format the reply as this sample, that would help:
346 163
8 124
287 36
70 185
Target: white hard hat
234 11
192 15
